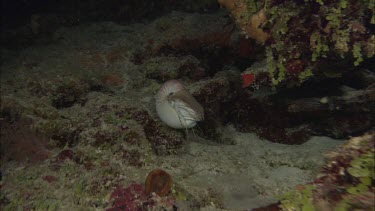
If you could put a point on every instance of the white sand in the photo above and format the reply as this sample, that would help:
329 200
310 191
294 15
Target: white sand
251 173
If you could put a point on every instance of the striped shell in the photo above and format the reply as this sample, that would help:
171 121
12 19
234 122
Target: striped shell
176 107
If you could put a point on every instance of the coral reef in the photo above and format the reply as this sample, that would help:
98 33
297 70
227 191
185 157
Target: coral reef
332 30
338 107
344 183
94 106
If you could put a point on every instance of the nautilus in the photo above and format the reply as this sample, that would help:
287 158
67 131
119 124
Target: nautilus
176 107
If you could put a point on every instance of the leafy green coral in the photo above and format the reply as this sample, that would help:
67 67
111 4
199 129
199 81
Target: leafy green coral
305 75
318 45
357 53
369 48
253 6
298 199
371 5
363 169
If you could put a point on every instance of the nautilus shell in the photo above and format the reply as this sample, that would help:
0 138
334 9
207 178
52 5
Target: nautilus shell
176 107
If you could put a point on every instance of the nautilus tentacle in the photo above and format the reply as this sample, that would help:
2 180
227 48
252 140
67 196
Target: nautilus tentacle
176 107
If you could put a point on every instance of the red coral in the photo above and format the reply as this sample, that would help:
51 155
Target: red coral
247 79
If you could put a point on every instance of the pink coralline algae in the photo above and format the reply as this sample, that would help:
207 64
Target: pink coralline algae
128 199
134 198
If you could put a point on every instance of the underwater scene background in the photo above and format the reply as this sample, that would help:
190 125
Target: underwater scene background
187 105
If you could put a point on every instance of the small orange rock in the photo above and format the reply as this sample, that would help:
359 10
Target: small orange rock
159 182
247 79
